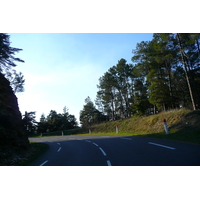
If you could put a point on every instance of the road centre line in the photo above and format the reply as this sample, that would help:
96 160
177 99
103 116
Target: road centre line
59 149
162 145
87 140
108 162
102 151
95 144
126 138
44 163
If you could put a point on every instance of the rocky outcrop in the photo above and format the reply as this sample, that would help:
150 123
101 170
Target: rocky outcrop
12 135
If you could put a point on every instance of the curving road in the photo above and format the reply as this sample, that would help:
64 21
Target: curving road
92 150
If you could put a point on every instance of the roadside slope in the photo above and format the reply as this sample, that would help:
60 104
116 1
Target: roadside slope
184 125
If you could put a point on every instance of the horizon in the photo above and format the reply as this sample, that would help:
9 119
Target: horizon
63 69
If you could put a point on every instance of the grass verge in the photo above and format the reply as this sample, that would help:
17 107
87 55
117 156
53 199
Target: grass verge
183 126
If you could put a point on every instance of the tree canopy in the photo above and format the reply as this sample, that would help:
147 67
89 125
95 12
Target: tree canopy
164 75
7 63
90 115
57 121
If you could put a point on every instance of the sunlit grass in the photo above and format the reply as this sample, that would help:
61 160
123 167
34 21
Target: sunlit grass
183 126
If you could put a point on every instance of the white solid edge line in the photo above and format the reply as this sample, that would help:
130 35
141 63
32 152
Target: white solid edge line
59 149
102 151
162 145
108 162
44 163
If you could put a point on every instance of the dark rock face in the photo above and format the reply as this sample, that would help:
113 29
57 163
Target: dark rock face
11 130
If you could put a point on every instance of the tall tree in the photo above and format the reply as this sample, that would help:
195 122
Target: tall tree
185 64
7 59
17 83
43 125
162 71
7 62
90 115
116 90
29 122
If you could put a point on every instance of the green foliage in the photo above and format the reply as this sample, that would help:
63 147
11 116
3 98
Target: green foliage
7 62
12 135
165 76
183 126
115 93
90 115
29 122
57 122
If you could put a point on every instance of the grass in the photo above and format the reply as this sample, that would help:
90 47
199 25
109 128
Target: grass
58 133
183 126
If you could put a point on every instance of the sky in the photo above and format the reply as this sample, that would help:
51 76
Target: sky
63 69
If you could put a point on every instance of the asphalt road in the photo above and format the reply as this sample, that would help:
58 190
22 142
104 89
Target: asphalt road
92 150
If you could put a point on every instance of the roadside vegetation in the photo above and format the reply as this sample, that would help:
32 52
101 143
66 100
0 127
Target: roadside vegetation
22 157
183 126
164 75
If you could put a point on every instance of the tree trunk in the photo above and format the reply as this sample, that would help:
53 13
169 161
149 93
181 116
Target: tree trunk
185 69
170 83
154 110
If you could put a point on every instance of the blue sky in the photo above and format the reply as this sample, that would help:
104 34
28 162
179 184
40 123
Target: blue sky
62 69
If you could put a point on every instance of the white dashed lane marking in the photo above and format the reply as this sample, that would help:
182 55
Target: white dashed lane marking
108 162
44 163
102 151
126 138
95 144
160 145
59 149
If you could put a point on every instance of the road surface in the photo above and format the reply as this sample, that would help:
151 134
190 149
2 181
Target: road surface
93 150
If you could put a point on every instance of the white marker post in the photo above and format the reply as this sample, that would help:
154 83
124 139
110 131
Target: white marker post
117 129
165 126
62 133
89 131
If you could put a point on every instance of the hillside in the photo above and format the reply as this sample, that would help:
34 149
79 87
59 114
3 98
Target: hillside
184 125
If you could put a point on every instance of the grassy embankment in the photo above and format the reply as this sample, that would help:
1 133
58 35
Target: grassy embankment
58 133
184 125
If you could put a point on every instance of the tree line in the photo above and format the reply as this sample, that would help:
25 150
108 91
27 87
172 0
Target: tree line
164 75
52 122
